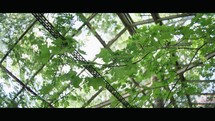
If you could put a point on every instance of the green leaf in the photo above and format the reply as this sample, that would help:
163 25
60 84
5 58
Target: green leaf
55 96
66 104
76 81
119 72
46 89
58 42
54 50
72 97
191 90
104 54
56 104
96 83
45 54
114 101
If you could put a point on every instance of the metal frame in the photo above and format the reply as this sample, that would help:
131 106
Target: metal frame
130 25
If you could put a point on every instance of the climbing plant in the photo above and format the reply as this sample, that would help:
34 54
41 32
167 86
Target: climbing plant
162 51
155 67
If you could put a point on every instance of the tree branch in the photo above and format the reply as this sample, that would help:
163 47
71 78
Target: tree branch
142 90
108 102
92 98
31 79
17 41
182 77
194 64
23 85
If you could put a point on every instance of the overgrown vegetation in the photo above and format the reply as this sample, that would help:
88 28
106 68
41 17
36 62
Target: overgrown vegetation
160 66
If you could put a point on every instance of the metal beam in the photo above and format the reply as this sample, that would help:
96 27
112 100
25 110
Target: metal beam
161 19
127 21
23 85
18 41
156 16
78 57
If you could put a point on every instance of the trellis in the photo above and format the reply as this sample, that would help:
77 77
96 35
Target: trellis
130 26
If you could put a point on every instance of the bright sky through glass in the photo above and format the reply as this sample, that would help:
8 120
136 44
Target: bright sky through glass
91 46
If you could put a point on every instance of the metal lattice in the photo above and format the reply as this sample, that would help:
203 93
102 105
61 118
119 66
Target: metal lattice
78 57
130 25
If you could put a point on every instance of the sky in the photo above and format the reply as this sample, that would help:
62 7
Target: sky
92 47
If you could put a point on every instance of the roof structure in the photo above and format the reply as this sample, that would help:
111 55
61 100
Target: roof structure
79 38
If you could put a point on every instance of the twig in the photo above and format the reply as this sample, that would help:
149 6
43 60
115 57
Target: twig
23 85
31 78
185 69
92 98
17 41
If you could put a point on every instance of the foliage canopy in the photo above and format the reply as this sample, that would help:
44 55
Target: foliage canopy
158 66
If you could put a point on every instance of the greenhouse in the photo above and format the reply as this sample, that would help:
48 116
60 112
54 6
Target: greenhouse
107 60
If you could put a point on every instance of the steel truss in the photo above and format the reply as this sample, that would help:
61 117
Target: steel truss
78 57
